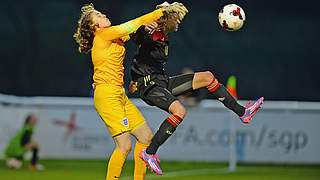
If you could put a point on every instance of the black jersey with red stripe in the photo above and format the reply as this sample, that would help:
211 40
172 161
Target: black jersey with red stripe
152 54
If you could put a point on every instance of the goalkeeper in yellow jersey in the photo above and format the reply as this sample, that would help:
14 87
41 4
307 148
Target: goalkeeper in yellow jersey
106 43
157 89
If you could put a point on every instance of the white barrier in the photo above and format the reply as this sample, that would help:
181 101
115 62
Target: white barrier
71 128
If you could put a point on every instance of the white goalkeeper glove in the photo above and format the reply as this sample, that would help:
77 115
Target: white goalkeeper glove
175 7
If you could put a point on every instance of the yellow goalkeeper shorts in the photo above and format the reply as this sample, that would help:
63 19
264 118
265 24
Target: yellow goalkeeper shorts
116 110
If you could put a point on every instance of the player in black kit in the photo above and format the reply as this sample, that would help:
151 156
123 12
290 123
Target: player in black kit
157 89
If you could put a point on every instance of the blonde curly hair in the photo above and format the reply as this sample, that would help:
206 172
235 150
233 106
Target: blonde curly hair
86 28
166 23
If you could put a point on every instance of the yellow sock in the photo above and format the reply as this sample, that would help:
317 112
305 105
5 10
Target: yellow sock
140 167
115 165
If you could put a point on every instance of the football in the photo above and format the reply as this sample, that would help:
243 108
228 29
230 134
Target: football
14 163
231 17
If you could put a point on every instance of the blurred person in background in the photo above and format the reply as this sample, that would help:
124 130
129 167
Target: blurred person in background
21 143
157 89
106 43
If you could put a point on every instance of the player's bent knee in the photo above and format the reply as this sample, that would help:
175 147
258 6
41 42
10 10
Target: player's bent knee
181 112
203 79
146 139
178 109
208 76
35 144
148 136
32 145
143 134
126 147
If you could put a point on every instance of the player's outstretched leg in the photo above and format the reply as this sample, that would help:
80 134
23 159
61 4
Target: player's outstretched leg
166 129
206 79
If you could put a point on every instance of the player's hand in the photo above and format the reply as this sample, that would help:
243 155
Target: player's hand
151 26
133 87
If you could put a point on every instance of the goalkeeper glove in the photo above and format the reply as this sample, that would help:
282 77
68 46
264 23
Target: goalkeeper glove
175 7
183 9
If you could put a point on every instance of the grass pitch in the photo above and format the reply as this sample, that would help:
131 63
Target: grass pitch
95 170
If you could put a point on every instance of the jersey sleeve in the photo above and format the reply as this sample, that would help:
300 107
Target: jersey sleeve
115 32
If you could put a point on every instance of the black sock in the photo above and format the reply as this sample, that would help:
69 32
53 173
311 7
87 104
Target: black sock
223 95
164 132
34 156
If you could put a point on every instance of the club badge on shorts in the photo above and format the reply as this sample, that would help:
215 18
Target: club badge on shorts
125 121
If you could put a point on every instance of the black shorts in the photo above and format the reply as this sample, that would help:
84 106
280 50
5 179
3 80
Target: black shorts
161 91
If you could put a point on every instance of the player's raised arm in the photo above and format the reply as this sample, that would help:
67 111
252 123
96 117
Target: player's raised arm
129 27
114 32
93 23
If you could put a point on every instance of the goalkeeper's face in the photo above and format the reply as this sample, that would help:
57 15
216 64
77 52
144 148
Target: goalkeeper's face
100 19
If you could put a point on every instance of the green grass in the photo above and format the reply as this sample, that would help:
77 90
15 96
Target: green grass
95 170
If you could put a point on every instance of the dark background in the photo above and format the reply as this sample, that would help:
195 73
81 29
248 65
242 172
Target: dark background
274 55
